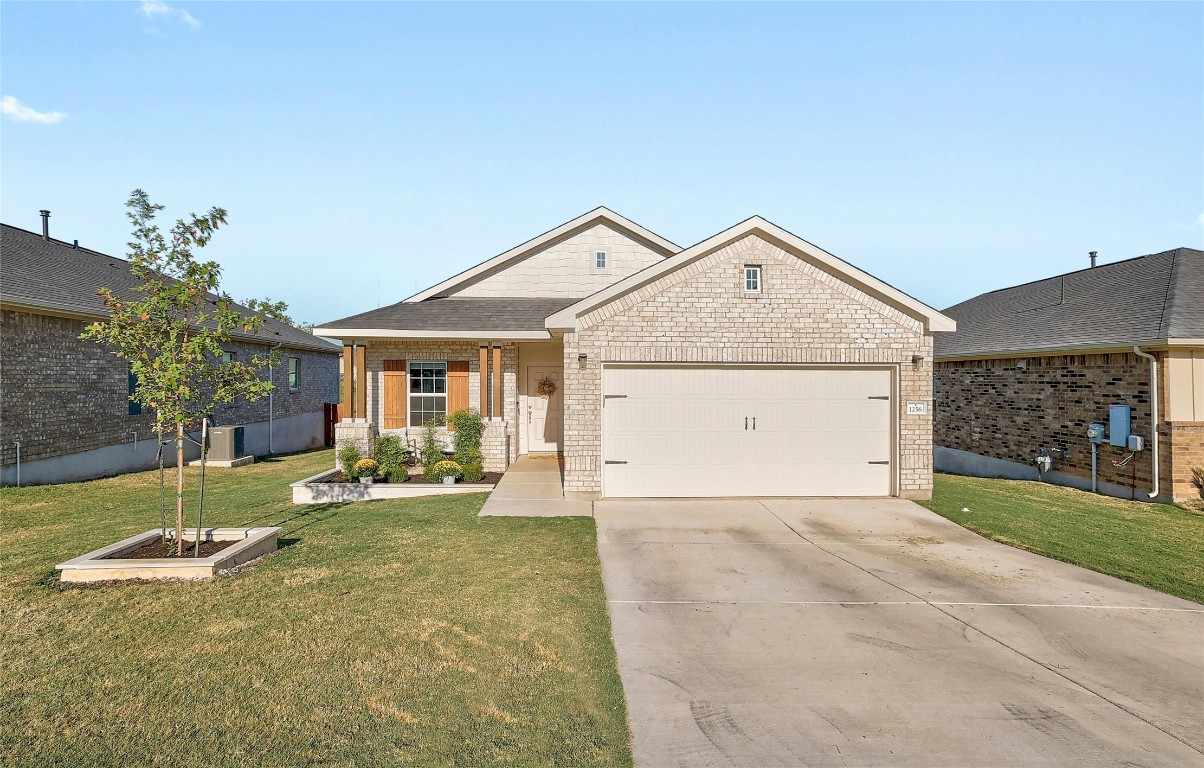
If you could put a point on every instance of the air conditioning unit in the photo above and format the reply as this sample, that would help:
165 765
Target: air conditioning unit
225 443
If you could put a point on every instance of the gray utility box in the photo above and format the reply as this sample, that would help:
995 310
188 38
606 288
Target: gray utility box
1118 425
225 443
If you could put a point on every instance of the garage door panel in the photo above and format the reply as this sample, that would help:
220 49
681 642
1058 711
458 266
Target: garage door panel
682 431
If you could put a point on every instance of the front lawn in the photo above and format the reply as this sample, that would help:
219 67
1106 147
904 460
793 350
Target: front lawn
1156 545
406 632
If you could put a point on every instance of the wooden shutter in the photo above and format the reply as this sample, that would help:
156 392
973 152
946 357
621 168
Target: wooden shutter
457 385
396 386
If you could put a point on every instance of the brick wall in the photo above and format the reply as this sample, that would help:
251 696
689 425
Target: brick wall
1013 408
62 395
498 436
567 268
700 313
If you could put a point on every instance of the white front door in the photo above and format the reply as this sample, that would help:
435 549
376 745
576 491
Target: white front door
545 413
732 431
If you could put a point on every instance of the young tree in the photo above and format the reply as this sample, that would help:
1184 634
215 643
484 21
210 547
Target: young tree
172 329
277 310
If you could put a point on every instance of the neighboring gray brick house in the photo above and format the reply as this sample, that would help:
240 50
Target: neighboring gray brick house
1031 366
750 364
65 401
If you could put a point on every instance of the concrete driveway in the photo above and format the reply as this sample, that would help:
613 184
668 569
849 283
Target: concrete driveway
854 632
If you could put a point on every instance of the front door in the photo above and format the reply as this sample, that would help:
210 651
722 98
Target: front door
545 412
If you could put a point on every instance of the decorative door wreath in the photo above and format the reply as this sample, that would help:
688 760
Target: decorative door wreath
546 387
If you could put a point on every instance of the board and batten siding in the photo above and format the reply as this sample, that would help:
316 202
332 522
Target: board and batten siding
701 314
567 268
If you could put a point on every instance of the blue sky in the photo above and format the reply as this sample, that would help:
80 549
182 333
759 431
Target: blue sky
367 150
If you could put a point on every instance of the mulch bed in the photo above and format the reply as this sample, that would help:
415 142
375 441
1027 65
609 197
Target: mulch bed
416 477
155 549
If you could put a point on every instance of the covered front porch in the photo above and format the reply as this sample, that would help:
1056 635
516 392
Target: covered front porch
393 385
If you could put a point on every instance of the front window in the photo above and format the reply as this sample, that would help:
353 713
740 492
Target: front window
294 373
428 393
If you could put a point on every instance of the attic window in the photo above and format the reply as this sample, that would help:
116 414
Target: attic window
752 278
601 259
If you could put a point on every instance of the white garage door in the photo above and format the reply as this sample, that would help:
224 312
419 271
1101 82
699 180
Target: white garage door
730 431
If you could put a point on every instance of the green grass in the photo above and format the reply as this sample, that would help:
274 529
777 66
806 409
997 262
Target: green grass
407 632
1156 545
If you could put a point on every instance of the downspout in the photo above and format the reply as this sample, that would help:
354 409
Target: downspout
1153 411
271 396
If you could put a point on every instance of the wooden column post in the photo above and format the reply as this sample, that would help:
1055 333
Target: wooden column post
484 394
348 408
498 411
361 382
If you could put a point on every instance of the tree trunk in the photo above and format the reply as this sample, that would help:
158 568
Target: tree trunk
179 489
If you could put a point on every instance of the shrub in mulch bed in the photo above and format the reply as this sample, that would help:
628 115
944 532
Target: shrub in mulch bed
490 478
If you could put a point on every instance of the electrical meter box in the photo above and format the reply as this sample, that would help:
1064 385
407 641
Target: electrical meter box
1096 433
1118 425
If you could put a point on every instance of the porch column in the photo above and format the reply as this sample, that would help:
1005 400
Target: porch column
348 408
484 394
361 382
498 379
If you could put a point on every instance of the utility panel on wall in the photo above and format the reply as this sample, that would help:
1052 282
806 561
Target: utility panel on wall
1118 425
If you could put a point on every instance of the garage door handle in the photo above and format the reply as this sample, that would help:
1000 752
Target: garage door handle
879 462
879 397
754 423
746 422
608 397
615 462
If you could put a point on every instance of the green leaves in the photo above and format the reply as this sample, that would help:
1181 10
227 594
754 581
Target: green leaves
174 327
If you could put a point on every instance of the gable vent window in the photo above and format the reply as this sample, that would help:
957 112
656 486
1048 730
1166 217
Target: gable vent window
752 279
601 259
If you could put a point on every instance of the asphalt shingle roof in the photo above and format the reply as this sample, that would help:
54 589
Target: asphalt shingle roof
458 314
52 274
1127 302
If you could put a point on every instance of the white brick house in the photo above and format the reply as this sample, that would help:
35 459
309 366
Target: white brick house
750 364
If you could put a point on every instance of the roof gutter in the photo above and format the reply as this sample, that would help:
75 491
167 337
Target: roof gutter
394 333
74 312
1153 412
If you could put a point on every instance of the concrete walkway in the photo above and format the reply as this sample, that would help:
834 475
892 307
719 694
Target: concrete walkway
532 487
859 633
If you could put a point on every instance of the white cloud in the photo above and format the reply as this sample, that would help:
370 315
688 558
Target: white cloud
153 9
14 110
1200 219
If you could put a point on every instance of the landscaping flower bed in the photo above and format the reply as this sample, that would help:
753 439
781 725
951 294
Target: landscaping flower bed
334 486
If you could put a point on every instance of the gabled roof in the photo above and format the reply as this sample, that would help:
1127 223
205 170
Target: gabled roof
933 320
1150 299
54 277
518 253
468 318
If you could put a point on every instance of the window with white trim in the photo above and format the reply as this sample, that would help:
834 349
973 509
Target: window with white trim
601 259
428 393
752 278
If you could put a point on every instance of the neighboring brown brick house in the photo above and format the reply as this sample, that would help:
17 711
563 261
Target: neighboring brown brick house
66 401
1030 367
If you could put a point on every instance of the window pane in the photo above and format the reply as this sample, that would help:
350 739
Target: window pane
440 385
428 385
